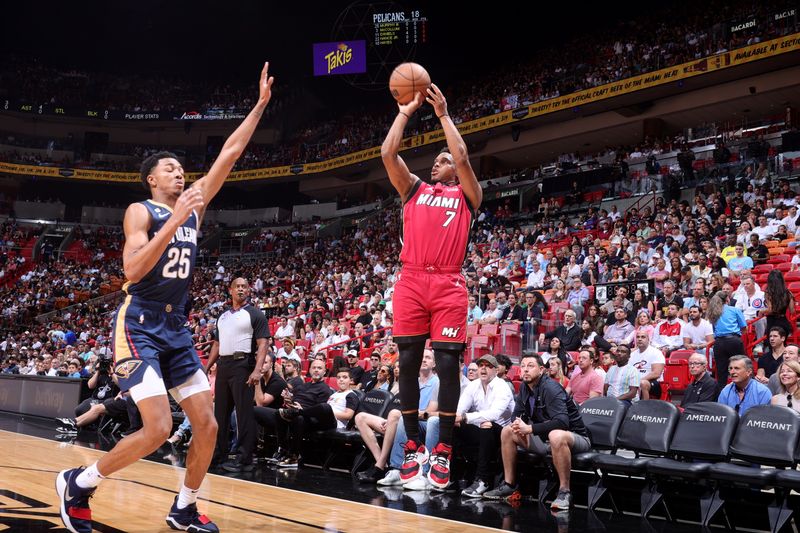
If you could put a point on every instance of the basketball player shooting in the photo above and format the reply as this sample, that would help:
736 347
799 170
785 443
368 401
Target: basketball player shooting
430 297
153 351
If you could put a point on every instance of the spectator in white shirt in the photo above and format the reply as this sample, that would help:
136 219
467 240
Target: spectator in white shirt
764 230
536 277
697 332
750 299
284 329
340 337
650 362
287 351
790 220
484 409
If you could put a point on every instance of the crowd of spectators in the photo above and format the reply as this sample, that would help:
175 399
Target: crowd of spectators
653 41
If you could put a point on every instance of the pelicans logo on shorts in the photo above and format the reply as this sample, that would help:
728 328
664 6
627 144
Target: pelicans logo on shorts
125 369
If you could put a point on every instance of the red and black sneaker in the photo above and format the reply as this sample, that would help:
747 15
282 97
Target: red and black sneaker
439 474
414 456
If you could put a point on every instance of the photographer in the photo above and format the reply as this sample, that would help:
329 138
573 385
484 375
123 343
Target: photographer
101 385
113 406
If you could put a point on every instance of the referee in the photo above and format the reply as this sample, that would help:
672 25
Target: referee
239 349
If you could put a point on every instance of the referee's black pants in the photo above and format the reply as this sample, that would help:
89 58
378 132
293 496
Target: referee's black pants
231 391
724 349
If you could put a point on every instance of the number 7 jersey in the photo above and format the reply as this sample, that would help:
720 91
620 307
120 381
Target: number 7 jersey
168 282
437 220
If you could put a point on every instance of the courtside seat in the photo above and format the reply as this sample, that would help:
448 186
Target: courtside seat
767 435
374 402
646 430
393 403
602 416
703 436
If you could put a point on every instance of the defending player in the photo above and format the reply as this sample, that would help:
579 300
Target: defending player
153 350
430 298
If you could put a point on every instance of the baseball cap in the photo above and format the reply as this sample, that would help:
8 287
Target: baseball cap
352 353
488 359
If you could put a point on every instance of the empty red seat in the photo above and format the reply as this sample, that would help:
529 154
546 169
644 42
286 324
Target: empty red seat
489 329
681 355
778 259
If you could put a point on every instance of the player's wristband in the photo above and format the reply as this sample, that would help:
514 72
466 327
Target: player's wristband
404 114
442 115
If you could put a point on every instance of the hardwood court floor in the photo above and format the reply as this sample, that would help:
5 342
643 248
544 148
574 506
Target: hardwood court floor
138 498
308 499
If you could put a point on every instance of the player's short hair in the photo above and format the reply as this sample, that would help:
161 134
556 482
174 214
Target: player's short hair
150 162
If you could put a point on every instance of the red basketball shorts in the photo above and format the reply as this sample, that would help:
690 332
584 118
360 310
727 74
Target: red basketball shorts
428 302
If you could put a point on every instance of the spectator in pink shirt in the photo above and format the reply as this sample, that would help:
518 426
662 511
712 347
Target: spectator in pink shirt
586 382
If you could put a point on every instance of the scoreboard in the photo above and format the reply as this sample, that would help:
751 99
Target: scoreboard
400 28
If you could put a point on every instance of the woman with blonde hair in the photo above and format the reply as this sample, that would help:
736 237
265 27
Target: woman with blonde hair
557 371
643 323
559 292
789 395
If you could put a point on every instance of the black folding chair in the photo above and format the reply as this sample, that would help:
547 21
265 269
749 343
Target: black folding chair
703 437
767 435
646 431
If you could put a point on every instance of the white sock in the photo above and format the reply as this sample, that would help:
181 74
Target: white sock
186 497
89 478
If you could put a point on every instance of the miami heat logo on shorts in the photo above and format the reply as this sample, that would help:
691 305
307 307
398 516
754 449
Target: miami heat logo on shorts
125 369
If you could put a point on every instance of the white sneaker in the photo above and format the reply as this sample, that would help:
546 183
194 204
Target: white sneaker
476 490
420 483
391 479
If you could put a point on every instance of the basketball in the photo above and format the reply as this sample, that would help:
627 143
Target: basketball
408 79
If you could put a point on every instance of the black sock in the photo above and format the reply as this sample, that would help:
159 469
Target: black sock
446 423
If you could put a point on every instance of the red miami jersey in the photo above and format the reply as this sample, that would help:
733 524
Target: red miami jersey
437 219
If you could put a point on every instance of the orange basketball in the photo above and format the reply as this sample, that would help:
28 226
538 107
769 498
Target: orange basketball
408 79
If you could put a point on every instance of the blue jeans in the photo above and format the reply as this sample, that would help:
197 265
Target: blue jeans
428 430
185 426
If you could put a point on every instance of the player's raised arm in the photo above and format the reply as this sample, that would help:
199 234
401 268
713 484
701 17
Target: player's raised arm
458 149
402 179
233 148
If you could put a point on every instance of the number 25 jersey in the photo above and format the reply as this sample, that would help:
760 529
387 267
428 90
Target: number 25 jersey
437 219
169 280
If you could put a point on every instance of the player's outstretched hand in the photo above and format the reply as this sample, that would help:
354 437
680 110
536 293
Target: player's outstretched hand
437 100
265 86
188 201
411 107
